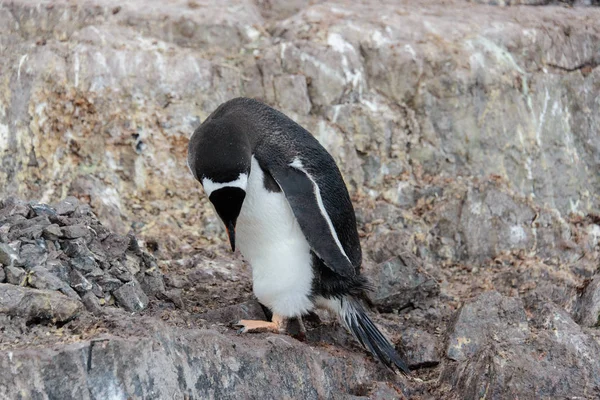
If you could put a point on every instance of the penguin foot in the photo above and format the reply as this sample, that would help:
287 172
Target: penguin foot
256 326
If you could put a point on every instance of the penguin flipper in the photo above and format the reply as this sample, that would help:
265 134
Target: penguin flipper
304 196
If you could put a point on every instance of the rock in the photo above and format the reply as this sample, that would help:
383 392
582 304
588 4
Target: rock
37 305
15 275
589 305
194 363
152 283
52 232
107 283
551 358
74 231
290 91
399 282
83 263
32 255
13 206
79 282
119 271
29 228
2 275
226 315
132 264
66 206
40 278
491 317
91 303
43 209
175 297
176 281
420 348
80 256
131 296
384 391
8 255
115 246
58 268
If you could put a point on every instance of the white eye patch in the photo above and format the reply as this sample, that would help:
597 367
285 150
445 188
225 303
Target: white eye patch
210 186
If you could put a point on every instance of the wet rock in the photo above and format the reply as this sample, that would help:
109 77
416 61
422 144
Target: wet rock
420 348
15 275
74 231
8 255
589 304
131 296
79 282
37 305
399 282
66 206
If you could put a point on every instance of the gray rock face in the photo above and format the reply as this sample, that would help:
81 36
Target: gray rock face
490 318
167 363
467 135
549 356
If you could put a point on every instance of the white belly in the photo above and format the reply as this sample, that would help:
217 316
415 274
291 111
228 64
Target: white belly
270 239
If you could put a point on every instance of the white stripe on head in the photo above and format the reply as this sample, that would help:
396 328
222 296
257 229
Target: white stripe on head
210 186
297 164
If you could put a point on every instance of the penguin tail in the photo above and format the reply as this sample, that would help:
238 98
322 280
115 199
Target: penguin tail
355 318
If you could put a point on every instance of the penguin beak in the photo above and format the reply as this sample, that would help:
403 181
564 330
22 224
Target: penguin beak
231 233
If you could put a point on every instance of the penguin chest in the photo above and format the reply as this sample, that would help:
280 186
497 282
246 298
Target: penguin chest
270 239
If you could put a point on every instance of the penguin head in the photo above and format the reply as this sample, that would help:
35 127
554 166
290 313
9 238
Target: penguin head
219 157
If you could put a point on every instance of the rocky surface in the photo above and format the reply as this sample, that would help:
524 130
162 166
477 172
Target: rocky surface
467 134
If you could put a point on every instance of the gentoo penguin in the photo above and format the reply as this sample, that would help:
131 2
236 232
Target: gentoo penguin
284 204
